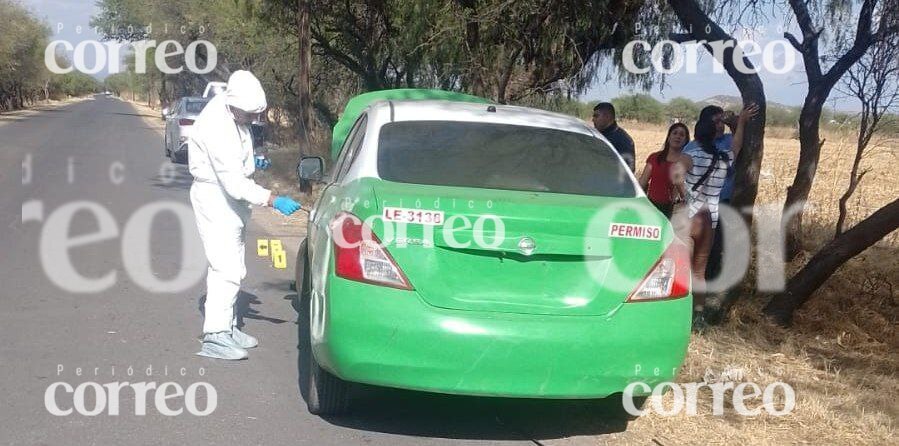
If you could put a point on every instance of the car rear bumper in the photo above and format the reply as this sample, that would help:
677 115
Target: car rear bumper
388 337
181 154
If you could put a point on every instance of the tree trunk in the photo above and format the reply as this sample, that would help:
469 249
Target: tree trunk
163 93
852 242
304 86
810 144
749 163
854 176
475 79
505 76
844 200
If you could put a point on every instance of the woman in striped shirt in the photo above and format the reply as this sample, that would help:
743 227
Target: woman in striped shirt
704 182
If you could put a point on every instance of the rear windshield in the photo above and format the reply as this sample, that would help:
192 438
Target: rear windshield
500 156
194 107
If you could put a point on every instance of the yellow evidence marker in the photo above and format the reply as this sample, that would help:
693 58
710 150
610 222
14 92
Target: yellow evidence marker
276 246
262 247
279 257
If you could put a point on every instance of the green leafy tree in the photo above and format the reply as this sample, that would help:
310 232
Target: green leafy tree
682 109
639 107
508 51
22 41
783 116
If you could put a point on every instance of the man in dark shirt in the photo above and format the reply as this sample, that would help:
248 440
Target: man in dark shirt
604 121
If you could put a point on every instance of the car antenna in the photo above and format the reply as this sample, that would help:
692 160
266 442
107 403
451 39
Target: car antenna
491 109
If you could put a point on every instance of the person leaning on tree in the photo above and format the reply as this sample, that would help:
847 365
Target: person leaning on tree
722 121
706 180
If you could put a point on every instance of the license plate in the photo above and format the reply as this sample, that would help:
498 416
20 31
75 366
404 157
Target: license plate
416 216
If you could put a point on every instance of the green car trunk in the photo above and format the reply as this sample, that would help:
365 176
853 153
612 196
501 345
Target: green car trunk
567 273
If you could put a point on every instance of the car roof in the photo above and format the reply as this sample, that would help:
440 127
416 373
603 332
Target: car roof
357 104
472 112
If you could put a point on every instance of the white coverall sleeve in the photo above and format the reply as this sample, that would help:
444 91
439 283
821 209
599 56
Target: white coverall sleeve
227 164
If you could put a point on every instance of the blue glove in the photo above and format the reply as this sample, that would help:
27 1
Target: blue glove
285 205
263 163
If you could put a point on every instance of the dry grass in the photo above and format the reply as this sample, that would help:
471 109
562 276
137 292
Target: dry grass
842 354
837 403
845 391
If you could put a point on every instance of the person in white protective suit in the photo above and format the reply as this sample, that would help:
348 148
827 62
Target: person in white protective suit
222 164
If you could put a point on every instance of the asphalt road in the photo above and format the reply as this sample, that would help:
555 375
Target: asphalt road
48 331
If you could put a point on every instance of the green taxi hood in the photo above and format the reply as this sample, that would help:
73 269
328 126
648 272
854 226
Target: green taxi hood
357 104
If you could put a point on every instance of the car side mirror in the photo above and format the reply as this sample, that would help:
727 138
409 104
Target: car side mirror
165 112
311 168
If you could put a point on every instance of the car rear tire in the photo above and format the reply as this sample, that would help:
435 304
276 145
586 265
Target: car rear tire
302 286
328 394
325 393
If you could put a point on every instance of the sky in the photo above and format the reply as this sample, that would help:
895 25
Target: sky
64 16
787 88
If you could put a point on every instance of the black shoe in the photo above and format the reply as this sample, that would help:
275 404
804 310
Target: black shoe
699 323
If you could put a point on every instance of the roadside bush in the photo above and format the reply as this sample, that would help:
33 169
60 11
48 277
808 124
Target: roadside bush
639 107
682 109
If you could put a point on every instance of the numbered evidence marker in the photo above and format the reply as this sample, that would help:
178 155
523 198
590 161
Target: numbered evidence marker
262 247
279 257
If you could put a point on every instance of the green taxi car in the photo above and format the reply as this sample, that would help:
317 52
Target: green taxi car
463 247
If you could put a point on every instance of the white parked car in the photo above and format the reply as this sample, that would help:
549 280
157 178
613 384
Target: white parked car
214 88
178 123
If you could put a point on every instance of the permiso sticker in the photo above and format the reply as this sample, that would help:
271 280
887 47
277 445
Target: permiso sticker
641 232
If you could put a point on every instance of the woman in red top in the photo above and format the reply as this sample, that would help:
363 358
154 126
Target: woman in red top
663 176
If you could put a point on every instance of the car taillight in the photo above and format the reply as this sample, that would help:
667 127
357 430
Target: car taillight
360 256
669 278
185 122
